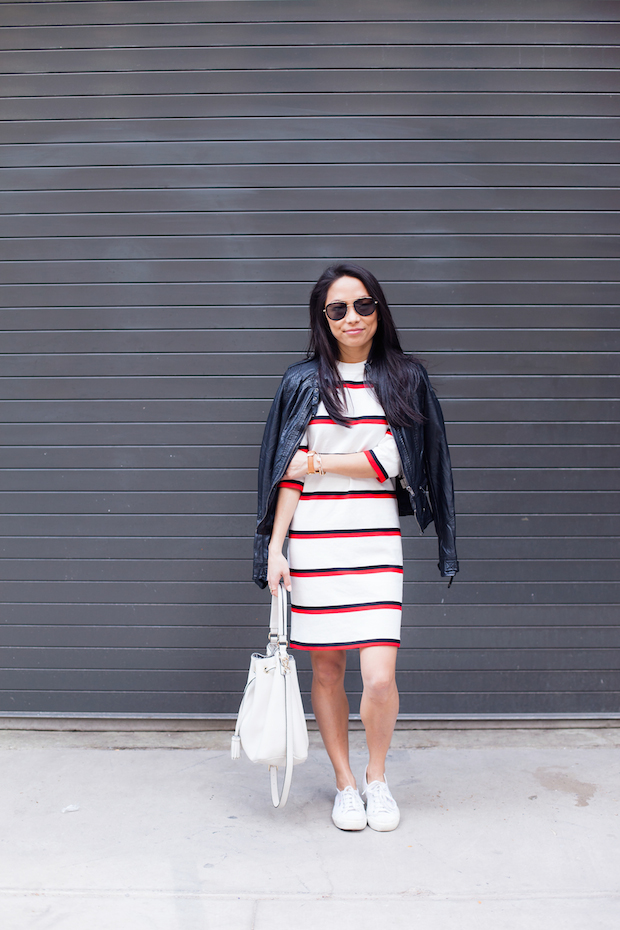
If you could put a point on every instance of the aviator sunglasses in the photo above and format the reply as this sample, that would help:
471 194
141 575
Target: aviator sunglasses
337 310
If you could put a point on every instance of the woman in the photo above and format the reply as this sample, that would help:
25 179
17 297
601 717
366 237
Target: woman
355 436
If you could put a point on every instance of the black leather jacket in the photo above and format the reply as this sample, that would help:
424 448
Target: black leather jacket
425 489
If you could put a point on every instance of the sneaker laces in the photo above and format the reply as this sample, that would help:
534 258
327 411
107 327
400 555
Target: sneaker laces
382 799
348 799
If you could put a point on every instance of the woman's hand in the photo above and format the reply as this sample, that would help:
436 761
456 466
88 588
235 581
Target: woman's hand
277 567
298 467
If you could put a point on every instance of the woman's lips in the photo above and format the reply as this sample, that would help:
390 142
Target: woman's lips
351 332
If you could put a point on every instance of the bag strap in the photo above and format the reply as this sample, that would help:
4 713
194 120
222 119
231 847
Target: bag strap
278 638
280 799
278 619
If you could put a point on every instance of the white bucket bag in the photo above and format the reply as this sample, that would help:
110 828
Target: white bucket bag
271 725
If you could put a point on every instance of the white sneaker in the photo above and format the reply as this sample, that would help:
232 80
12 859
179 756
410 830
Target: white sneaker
349 812
381 809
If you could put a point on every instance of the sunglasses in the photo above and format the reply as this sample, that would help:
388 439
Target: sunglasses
337 310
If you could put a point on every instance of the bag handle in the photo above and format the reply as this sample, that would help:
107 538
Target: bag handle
278 619
278 624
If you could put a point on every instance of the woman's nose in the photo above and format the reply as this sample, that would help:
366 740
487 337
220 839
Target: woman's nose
352 313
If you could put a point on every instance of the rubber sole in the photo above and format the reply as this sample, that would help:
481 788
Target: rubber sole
384 827
341 826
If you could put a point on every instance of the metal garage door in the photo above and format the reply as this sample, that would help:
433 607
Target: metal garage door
178 175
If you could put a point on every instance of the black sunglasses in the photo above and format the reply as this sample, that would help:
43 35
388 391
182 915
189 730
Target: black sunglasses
337 310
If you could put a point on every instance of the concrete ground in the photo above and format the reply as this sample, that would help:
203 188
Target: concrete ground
501 829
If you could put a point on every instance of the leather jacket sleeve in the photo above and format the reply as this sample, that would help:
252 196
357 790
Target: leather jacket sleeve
266 467
288 417
439 479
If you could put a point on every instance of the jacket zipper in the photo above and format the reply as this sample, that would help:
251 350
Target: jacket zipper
403 480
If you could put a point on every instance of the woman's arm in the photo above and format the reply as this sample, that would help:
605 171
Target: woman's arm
351 464
277 565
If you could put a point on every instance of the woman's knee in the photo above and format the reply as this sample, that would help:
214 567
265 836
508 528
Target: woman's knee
328 669
378 666
379 686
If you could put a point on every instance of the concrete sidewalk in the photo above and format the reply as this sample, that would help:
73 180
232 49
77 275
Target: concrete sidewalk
500 829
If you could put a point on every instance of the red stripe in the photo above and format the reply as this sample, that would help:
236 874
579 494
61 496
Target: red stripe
290 483
355 384
354 608
361 645
320 573
381 475
342 534
345 495
317 421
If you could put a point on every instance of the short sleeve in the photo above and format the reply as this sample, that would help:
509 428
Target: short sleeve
294 483
385 459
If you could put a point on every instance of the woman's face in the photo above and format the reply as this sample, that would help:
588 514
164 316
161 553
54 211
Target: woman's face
354 333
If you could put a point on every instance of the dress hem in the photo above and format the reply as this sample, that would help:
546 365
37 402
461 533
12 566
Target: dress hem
319 647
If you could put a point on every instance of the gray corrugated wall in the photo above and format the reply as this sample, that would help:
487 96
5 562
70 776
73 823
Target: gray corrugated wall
178 175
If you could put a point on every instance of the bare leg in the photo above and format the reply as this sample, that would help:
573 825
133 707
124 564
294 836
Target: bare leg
331 709
379 707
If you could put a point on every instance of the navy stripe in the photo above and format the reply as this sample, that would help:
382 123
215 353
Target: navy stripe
381 640
379 465
345 570
329 534
341 495
346 608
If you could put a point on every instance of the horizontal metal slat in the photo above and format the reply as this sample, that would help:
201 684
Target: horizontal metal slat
177 661
381 104
162 434
255 411
417 594
449 620
198 349
407 316
329 175
441 364
224 638
159 702
199 526
350 151
225 681
36 386
316 78
365 245
68 64
321 127
325 199
179 572
250 15
416 222
208 478
239 547
185 352
202 455
276 270
512 293
245 28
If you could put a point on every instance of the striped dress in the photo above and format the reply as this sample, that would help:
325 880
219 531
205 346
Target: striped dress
345 549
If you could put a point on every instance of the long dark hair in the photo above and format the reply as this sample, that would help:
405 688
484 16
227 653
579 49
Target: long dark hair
392 375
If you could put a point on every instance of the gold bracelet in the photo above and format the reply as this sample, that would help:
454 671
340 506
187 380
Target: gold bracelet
319 460
311 468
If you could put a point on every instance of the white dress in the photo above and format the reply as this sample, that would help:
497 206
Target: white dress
345 549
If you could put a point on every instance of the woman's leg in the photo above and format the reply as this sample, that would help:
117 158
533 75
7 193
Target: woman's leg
379 707
331 709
